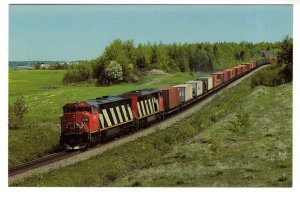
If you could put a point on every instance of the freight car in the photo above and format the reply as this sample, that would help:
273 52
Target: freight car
91 122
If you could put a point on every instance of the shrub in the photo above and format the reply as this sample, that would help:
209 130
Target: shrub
270 76
17 113
78 73
241 123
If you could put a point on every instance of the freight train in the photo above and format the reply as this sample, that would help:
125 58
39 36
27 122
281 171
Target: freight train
87 123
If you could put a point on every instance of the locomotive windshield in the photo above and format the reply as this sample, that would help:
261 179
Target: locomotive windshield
77 109
87 109
69 109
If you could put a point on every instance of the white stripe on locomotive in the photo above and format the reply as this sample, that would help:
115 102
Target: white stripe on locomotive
130 112
150 105
139 109
101 120
143 108
153 104
147 107
124 112
119 115
113 115
106 117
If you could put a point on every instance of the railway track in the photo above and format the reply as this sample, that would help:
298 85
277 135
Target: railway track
40 162
43 161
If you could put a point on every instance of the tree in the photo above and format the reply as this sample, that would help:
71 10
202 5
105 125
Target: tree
286 56
113 73
160 58
143 56
37 66
130 51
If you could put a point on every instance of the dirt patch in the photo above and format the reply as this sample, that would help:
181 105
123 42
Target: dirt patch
157 72
154 81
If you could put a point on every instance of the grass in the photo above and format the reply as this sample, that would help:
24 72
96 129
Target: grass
202 150
260 155
46 94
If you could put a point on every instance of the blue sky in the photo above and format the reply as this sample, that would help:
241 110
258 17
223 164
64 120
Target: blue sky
76 32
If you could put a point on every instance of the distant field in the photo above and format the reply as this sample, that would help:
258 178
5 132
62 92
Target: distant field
207 149
46 94
26 81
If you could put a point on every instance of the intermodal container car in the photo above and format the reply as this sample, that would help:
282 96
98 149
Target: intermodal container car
185 92
197 87
207 83
171 97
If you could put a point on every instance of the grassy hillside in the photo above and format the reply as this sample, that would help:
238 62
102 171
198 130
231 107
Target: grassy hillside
258 155
45 95
242 138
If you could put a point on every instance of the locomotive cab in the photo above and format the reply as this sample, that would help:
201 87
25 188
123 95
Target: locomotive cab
79 123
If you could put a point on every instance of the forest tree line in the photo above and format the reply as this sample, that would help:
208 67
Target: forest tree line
125 61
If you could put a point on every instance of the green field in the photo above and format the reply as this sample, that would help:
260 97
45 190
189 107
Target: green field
243 138
46 94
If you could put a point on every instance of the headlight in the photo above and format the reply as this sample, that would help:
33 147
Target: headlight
85 119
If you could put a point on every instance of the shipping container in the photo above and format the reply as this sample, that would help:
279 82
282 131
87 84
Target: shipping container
236 70
197 87
254 64
248 66
171 97
220 76
185 92
239 69
233 72
214 79
251 65
207 83
228 73
244 68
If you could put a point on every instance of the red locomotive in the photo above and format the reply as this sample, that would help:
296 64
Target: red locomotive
87 123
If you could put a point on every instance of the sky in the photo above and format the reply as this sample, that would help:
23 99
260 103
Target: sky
81 32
